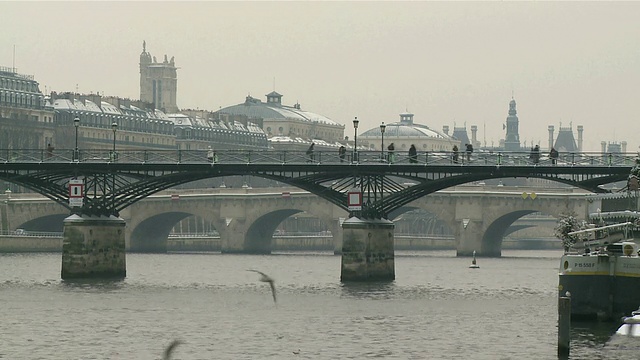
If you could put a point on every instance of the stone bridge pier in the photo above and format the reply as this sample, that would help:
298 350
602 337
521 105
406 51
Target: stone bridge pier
93 247
367 250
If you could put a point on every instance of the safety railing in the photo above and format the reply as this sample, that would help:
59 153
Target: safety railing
22 232
480 158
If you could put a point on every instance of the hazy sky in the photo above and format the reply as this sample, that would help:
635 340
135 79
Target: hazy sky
447 62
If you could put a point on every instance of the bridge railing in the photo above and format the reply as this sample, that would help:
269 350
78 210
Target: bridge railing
488 158
23 233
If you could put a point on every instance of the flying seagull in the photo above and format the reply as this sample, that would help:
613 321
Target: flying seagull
266 278
167 352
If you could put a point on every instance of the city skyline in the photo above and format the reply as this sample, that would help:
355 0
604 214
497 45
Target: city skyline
447 63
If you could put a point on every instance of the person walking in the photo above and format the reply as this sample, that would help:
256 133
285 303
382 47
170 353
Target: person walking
211 155
454 155
49 150
469 151
553 155
342 152
531 155
413 154
390 149
310 152
536 154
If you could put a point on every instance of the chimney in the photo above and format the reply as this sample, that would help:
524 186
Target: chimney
603 145
551 128
474 135
580 129
624 147
445 129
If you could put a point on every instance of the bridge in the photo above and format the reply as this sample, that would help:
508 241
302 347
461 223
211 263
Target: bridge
109 182
478 215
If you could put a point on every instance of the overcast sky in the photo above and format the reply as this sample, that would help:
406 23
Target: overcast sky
446 62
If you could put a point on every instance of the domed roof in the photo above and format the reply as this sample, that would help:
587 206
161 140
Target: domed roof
405 128
273 109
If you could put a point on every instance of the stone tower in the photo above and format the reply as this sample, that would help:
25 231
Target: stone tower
158 81
512 138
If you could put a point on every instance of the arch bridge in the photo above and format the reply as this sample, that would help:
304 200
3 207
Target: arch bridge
479 215
112 181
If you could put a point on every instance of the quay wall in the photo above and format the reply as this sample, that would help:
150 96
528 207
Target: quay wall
20 244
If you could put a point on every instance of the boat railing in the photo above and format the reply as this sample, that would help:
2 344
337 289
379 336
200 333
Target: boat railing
598 238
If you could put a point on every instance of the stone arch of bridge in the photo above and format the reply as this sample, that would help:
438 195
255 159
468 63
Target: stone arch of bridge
258 237
33 215
44 223
443 214
150 235
149 223
245 225
442 207
498 226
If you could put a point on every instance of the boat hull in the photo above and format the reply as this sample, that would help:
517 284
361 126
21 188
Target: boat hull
601 286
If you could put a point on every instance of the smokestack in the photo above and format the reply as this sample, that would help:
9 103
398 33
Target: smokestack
580 129
603 145
474 135
624 147
445 129
551 128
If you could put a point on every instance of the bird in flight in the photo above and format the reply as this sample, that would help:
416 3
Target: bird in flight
266 278
167 352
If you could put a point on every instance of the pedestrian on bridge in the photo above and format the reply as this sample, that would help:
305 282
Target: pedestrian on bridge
342 152
310 152
454 155
391 148
211 155
553 155
535 154
469 151
413 154
49 150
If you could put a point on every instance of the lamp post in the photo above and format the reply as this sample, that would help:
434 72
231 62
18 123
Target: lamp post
114 127
76 123
382 128
355 139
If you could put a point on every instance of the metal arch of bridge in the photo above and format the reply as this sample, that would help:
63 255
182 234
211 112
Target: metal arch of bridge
112 184
389 194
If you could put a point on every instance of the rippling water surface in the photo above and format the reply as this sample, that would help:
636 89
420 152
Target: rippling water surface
437 308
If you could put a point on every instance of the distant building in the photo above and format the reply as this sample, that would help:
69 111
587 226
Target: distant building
158 81
565 141
139 125
26 120
288 127
405 133
613 147
142 127
199 129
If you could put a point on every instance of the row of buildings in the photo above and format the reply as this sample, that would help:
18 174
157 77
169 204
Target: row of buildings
31 119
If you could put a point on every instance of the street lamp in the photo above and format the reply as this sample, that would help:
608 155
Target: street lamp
382 128
76 123
114 127
355 139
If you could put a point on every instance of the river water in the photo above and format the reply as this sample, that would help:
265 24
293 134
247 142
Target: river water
437 308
